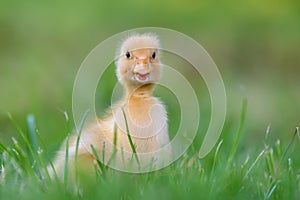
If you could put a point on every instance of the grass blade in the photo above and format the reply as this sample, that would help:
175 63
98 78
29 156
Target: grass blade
100 164
239 134
129 138
272 190
289 145
31 129
215 158
24 138
66 167
77 143
4 149
253 164
41 142
115 145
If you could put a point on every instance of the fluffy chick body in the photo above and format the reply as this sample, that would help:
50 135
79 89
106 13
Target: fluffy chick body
146 114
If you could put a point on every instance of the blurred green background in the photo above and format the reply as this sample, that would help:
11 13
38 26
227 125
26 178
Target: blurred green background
255 44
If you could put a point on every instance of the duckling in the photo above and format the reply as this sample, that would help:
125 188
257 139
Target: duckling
139 113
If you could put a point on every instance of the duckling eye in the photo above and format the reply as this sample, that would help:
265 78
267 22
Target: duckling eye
153 55
127 54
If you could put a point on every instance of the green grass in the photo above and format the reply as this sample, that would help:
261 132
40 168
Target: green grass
269 173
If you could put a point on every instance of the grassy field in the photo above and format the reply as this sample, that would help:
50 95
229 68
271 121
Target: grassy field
256 46
272 173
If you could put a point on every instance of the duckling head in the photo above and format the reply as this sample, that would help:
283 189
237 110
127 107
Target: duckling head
138 60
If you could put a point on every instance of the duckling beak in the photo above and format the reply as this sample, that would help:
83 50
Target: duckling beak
141 66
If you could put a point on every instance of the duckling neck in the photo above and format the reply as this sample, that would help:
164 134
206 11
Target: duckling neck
140 91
